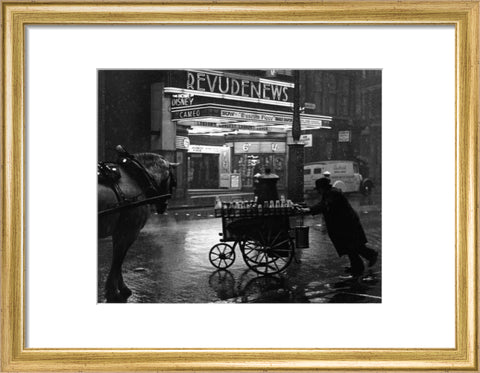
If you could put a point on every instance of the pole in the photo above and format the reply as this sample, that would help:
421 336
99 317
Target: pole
296 107
296 156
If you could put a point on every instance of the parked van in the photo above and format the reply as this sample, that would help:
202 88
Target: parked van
344 175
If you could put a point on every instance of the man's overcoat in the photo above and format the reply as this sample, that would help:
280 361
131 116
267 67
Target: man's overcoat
343 224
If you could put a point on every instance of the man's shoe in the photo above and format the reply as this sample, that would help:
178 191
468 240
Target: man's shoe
356 272
373 259
353 273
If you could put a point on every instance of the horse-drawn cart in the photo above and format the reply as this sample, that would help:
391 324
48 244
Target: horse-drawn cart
263 234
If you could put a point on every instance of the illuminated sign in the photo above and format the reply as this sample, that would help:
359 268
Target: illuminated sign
311 122
182 142
181 100
189 114
247 116
211 115
229 86
306 139
281 119
343 136
225 84
259 147
186 114
206 149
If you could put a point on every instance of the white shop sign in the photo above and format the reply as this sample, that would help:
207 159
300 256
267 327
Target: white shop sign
208 149
182 142
307 140
343 136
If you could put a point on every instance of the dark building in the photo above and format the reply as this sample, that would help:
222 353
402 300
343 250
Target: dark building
353 98
226 126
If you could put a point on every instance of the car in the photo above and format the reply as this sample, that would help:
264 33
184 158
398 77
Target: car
344 175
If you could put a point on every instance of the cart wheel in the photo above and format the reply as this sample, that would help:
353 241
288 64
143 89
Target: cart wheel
222 255
268 257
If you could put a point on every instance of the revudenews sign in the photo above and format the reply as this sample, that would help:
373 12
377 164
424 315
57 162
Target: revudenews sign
235 85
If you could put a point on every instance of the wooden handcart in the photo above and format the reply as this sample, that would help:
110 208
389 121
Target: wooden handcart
264 236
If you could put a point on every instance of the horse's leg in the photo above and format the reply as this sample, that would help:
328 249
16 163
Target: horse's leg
122 287
116 290
126 232
112 293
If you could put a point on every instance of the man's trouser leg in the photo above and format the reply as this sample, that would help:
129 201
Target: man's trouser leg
356 264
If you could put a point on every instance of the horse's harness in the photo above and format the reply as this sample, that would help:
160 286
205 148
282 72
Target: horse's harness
108 174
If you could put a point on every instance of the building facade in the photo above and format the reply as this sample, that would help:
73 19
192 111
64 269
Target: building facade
353 98
223 127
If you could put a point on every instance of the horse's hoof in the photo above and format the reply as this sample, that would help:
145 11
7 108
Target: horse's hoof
116 297
126 292
116 300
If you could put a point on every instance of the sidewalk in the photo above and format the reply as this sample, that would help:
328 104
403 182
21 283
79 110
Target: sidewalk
200 204
204 198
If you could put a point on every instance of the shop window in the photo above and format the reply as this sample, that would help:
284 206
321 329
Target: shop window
248 165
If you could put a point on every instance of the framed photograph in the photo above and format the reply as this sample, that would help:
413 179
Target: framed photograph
278 186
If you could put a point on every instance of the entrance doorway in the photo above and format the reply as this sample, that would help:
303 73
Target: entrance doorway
203 172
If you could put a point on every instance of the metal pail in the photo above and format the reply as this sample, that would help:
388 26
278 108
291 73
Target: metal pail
301 237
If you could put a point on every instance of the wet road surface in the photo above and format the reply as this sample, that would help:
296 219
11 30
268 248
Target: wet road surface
169 264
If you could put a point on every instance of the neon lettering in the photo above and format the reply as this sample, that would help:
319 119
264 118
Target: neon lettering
211 85
276 92
190 81
227 85
235 87
255 90
285 94
244 86
266 87
200 79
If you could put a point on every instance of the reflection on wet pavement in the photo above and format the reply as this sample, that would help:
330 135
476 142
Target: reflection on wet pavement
253 288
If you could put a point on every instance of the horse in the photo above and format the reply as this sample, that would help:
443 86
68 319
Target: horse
125 225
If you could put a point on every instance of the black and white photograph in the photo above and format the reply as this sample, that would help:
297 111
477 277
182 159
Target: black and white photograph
239 186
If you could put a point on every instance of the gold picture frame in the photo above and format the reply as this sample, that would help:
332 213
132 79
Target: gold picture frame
463 15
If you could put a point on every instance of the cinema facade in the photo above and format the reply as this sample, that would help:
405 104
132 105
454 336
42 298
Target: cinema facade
223 127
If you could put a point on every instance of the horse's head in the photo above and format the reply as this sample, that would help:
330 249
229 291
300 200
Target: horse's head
162 172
